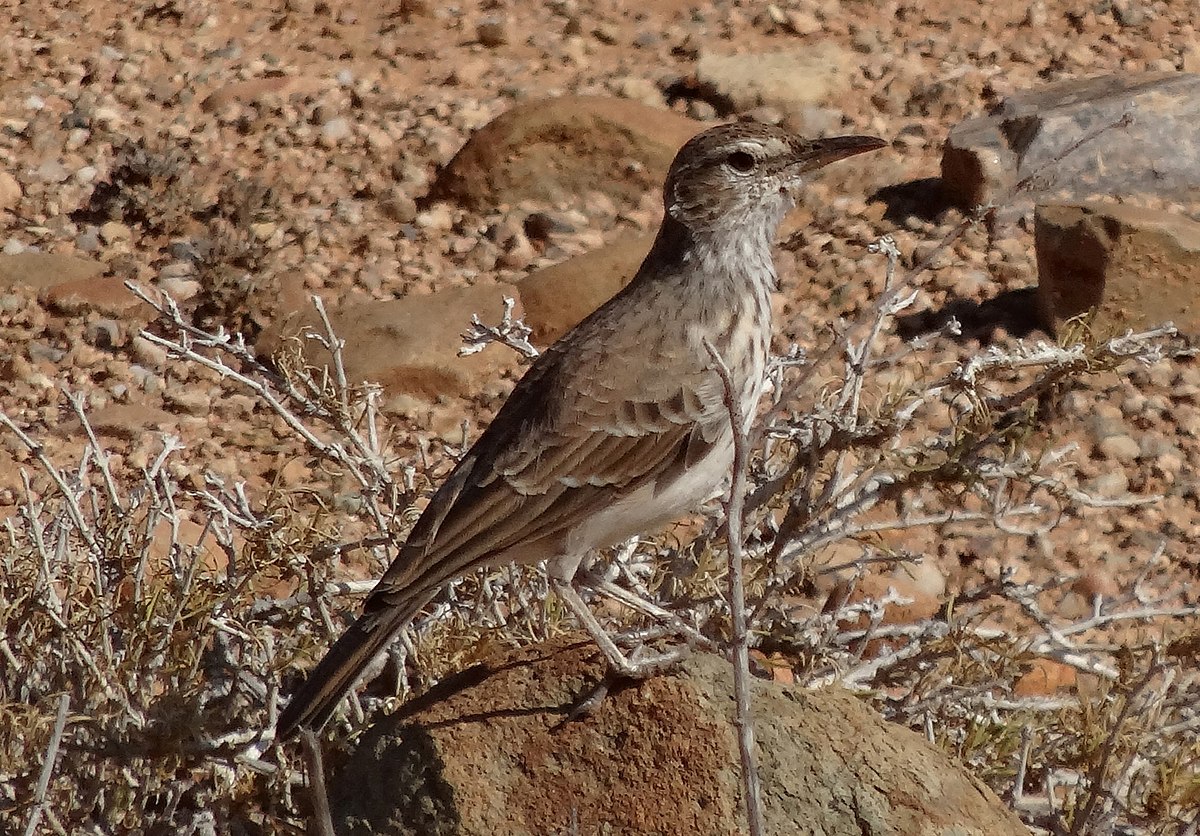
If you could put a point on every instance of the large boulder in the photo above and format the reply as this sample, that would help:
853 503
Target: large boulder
492 751
409 346
559 149
558 297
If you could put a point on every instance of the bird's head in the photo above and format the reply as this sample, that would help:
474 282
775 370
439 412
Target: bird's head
745 176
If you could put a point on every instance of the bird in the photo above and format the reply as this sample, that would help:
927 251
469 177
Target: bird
621 426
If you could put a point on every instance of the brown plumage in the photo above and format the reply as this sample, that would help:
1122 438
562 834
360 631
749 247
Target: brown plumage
620 426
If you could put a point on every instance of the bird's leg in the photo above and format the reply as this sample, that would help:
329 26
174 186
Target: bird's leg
594 578
648 608
630 667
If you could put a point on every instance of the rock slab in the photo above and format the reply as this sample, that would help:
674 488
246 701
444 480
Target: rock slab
1137 268
490 751
558 297
788 79
409 346
1158 152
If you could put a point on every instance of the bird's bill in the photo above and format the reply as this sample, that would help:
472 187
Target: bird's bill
822 152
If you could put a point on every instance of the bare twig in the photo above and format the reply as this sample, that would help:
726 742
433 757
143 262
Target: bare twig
737 599
50 759
321 822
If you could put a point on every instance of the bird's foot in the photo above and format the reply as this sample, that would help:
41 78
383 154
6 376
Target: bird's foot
641 663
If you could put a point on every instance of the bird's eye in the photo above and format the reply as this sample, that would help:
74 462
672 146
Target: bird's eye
741 161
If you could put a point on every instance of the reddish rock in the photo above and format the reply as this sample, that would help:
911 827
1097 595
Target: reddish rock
556 298
557 149
39 271
488 752
125 421
106 295
410 345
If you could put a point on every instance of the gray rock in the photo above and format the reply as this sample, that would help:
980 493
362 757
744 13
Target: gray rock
88 241
1158 152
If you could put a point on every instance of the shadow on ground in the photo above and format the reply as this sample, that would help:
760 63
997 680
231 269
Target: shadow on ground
1013 312
925 199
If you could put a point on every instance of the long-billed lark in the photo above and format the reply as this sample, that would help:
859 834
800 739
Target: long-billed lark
621 426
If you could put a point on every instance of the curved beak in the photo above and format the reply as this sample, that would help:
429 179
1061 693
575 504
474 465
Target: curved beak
816 153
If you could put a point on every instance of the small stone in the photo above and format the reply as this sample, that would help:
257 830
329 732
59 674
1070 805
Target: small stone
640 89
113 231
398 206
189 401
178 288
1119 448
147 353
10 192
52 171
263 231
606 34
802 23
492 32
1191 58
104 334
436 218
1128 13
1109 485
336 131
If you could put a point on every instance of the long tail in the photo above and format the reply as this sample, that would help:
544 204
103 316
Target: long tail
313 704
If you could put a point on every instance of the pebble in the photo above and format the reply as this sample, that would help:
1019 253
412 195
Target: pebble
104 334
335 131
190 401
113 231
1120 448
10 192
437 218
398 206
178 288
492 32
1110 485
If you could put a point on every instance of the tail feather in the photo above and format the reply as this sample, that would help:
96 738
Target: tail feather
313 704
